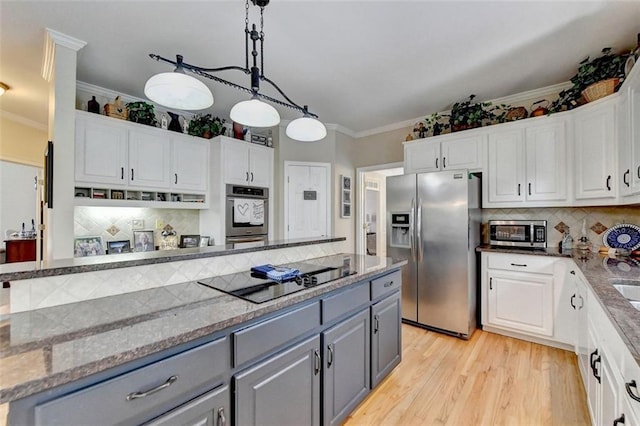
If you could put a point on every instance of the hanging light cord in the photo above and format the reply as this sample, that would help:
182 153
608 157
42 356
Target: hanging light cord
256 73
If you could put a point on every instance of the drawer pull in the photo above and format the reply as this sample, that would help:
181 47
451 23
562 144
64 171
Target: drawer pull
523 265
330 355
318 365
376 324
137 395
388 284
619 420
222 419
632 384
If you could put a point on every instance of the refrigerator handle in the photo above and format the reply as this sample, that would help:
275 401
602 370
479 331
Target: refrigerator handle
411 230
419 230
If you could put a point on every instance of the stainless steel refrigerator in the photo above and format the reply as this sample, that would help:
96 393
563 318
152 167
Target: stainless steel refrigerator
433 221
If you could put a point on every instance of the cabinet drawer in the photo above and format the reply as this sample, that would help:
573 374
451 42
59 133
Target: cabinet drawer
121 400
266 336
346 301
533 264
386 284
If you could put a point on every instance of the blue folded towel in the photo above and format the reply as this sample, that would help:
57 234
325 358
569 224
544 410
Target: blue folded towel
263 269
282 274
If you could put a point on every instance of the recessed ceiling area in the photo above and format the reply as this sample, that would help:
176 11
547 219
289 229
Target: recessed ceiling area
360 64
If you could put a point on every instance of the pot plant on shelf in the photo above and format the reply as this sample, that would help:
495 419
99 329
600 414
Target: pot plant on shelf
468 114
595 79
142 112
206 126
436 123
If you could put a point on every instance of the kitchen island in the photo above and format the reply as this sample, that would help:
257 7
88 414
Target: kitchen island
53 358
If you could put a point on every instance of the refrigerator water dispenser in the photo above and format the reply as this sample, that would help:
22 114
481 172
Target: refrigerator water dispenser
400 227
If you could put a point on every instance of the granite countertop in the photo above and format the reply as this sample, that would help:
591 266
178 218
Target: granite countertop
598 269
27 270
49 347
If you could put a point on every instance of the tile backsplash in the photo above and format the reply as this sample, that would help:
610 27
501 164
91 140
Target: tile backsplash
122 221
572 217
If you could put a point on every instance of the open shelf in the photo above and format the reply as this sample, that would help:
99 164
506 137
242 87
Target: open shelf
99 196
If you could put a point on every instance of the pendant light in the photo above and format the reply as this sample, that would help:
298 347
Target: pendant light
182 91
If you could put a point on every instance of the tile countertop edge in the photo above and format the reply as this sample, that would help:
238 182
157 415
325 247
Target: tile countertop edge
623 316
10 272
34 386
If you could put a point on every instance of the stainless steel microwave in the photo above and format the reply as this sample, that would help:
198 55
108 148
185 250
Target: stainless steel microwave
518 233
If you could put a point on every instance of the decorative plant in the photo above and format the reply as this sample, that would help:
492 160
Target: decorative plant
206 126
435 125
142 112
467 114
606 66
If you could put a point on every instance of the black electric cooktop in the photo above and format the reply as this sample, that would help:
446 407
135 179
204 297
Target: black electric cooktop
255 289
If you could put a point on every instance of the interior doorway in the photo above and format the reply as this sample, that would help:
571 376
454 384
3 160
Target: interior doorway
371 226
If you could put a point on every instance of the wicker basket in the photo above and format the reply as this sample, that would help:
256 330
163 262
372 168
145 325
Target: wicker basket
600 89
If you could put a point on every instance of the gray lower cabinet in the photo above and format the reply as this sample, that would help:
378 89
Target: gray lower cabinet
386 337
284 390
210 409
346 374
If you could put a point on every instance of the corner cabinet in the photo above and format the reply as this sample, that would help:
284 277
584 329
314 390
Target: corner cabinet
119 163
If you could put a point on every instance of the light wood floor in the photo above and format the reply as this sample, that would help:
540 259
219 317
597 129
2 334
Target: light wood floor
488 380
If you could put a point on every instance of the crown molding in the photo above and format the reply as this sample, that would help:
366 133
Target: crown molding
511 99
53 38
24 121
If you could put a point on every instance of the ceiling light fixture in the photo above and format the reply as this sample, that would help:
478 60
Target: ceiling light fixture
180 90
3 88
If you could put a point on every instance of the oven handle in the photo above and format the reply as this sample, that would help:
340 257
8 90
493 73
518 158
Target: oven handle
251 239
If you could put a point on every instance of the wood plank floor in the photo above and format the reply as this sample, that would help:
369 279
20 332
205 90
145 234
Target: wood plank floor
488 380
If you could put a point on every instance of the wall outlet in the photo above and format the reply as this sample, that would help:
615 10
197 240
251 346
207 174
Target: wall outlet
137 224
159 224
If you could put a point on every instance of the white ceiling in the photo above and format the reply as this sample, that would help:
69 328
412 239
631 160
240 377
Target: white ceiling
360 64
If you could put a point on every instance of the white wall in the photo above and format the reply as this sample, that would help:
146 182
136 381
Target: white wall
18 198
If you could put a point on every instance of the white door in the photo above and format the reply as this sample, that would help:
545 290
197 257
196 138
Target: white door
189 163
505 169
101 153
307 200
546 153
463 153
235 162
149 159
260 166
422 156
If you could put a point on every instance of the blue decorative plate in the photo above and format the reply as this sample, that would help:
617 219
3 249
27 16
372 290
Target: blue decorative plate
624 235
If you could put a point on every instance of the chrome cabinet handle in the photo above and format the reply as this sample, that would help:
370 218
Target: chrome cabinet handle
376 324
625 176
609 183
628 386
222 419
330 355
619 420
136 395
318 365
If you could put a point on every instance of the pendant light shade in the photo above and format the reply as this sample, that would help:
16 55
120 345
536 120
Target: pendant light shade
255 113
178 90
306 129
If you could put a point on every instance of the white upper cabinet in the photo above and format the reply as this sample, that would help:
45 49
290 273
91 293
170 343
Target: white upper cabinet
189 160
595 152
149 159
635 140
527 163
446 152
246 164
101 153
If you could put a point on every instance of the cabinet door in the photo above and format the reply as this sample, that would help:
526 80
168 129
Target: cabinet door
635 141
284 390
595 149
463 153
260 166
386 338
211 409
346 367
546 154
582 329
189 158
101 153
521 302
506 167
593 386
235 162
422 156
610 404
149 159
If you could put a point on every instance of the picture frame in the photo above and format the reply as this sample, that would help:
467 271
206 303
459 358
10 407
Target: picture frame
204 241
189 241
88 246
143 241
345 196
117 247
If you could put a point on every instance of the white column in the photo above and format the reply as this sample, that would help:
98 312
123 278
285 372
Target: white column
59 69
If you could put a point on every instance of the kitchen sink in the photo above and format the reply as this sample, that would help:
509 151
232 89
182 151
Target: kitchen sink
629 288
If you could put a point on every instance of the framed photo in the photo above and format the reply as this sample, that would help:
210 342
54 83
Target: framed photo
204 241
345 196
189 241
143 241
88 246
115 247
